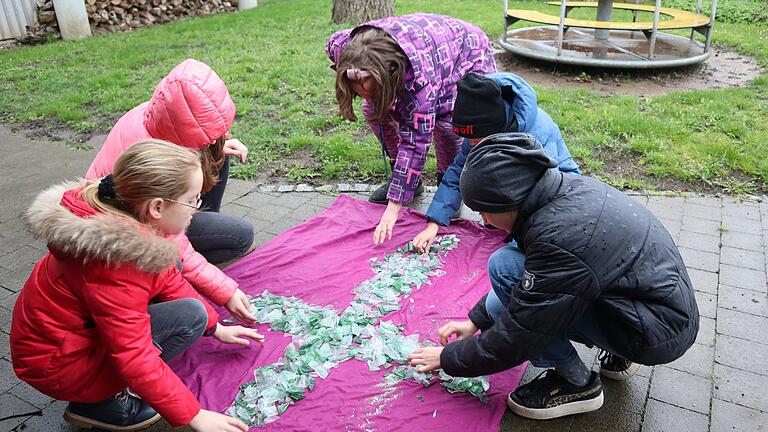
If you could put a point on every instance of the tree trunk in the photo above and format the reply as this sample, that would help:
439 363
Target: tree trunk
360 11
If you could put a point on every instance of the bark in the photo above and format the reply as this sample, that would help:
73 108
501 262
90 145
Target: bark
359 11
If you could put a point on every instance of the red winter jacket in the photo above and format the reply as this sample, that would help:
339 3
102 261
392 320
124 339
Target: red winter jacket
80 329
190 107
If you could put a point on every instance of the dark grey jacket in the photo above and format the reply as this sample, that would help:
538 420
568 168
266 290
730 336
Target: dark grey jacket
586 245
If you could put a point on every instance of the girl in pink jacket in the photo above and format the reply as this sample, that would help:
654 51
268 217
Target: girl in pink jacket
191 107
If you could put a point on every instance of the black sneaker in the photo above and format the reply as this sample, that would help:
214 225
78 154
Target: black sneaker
121 412
549 396
616 368
379 196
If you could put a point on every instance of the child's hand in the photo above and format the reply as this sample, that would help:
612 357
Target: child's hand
240 308
462 330
388 219
427 357
423 240
233 147
209 421
232 335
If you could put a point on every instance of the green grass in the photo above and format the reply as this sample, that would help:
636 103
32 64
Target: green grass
273 62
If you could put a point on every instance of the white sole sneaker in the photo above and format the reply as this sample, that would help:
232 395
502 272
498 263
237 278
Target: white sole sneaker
623 375
563 410
87 423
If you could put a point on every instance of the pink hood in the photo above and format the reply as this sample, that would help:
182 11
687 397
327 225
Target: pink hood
190 107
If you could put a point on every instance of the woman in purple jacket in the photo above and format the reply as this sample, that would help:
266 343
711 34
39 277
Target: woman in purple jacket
405 68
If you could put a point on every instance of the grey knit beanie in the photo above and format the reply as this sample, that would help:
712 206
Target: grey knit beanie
501 170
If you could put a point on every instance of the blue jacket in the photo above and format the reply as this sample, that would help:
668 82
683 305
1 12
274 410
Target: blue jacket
530 118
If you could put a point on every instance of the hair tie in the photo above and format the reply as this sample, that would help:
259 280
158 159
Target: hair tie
107 188
357 74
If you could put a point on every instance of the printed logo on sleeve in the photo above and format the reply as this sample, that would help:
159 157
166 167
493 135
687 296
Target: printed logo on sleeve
528 279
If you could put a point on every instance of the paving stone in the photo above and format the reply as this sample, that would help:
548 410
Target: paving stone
741 387
235 189
705 200
742 354
261 237
698 241
324 200
738 224
741 211
701 211
642 199
742 300
672 226
743 278
703 280
10 301
28 394
742 240
10 405
5 347
663 417
286 188
706 335
267 213
16 240
699 225
742 325
20 257
291 201
681 389
14 279
697 259
707 304
729 417
51 420
8 379
698 360
622 411
255 200
306 211
5 320
742 258
513 423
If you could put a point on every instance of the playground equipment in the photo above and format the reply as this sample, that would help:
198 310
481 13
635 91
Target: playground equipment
606 43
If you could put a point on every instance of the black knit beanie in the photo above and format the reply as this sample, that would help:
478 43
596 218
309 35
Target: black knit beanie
479 108
501 170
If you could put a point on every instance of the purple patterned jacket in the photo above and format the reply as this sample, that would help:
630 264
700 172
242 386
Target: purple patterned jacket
441 50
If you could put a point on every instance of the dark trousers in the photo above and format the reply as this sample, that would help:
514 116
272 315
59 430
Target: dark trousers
219 237
176 325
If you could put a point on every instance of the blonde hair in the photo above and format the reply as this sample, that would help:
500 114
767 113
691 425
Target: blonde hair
148 169
372 50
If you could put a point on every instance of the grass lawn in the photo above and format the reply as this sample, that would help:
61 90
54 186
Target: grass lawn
273 61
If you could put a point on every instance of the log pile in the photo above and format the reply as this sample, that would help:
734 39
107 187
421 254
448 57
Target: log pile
108 16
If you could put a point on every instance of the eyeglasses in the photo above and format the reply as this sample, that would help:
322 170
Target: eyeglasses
196 205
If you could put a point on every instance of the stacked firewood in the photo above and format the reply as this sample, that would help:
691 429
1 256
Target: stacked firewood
119 15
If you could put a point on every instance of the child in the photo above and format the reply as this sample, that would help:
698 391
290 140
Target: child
495 103
107 306
405 68
191 107
600 269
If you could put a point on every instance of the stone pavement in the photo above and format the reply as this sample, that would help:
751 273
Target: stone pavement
717 386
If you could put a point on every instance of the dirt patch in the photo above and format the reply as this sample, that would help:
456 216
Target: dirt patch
723 69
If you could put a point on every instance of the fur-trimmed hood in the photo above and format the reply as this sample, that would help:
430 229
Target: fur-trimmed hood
113 239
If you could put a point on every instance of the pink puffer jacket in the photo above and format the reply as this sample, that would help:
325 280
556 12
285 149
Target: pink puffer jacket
190 107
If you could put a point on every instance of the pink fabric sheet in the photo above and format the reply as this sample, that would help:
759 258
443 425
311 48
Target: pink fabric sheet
321 261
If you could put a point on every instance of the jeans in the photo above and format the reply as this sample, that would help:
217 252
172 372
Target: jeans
505 269
176 325
219 237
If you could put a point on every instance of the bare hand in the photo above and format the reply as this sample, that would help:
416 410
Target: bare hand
426 357
233 147
233 335
209 421
423 240
462 330
387 223
240 308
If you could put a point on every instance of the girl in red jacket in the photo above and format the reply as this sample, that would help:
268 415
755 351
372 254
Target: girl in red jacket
191 107
107 306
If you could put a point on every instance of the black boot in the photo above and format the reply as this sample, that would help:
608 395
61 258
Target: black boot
379 196
615 367
121 412
550 396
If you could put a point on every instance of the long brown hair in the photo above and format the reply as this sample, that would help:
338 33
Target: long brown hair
148 169
212 159
373 50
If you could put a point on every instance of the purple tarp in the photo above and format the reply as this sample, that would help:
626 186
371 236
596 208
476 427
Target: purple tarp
321 261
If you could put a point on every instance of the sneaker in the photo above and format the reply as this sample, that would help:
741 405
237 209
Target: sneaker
379 196
549 396
616 368
120 413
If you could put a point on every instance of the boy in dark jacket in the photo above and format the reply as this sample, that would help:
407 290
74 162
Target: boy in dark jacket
600 270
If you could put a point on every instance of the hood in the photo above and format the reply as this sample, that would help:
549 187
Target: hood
336 42
190 107
72 227
524 106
